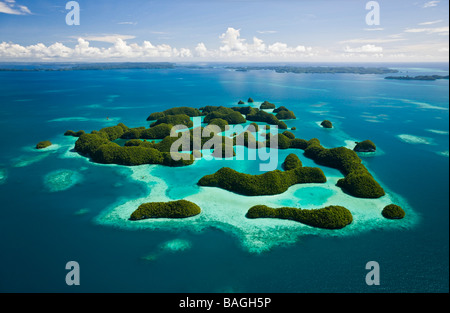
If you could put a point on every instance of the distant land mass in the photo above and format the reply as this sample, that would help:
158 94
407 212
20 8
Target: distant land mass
34 67
421 77
318 69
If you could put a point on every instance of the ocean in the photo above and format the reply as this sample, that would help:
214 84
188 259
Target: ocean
58 207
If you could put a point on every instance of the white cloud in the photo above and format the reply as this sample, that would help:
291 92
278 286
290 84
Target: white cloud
234 46
24 9
107 38
431 23
436 30
83 51
364 49
201 50
422 51
127 23
266 31
231 47
431 4
391 38
258 45
373 29
158 33
10 7
232 42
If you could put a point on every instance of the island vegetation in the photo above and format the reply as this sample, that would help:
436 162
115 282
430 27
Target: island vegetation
191 112
318 69
420 77
221 123
268 183
52 67
326 124
159 131
43 144
101 147
393 211
266 105
257 115
365 146
172 209
74 134
358 182
227 114
331 217
291 162
177 119
253 127
289 134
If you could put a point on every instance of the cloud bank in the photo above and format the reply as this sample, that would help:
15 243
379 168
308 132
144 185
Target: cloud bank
232 47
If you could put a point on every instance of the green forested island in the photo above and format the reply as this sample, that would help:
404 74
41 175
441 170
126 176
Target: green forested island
56 67
167 65
393 212
268 183
318 69
331 217
365 146
172 209
326 124
420 77
43 144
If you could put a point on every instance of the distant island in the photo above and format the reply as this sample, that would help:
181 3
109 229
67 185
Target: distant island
420 77
52 67
58 67
318 69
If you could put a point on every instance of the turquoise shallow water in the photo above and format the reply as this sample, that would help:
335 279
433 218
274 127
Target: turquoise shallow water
54 200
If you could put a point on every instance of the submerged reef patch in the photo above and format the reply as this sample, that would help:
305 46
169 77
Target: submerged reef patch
3 175
416 140
171 246
61 180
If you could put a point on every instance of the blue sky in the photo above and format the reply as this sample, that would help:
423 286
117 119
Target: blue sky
224 30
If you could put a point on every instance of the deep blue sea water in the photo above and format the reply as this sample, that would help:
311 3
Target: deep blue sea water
42 227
